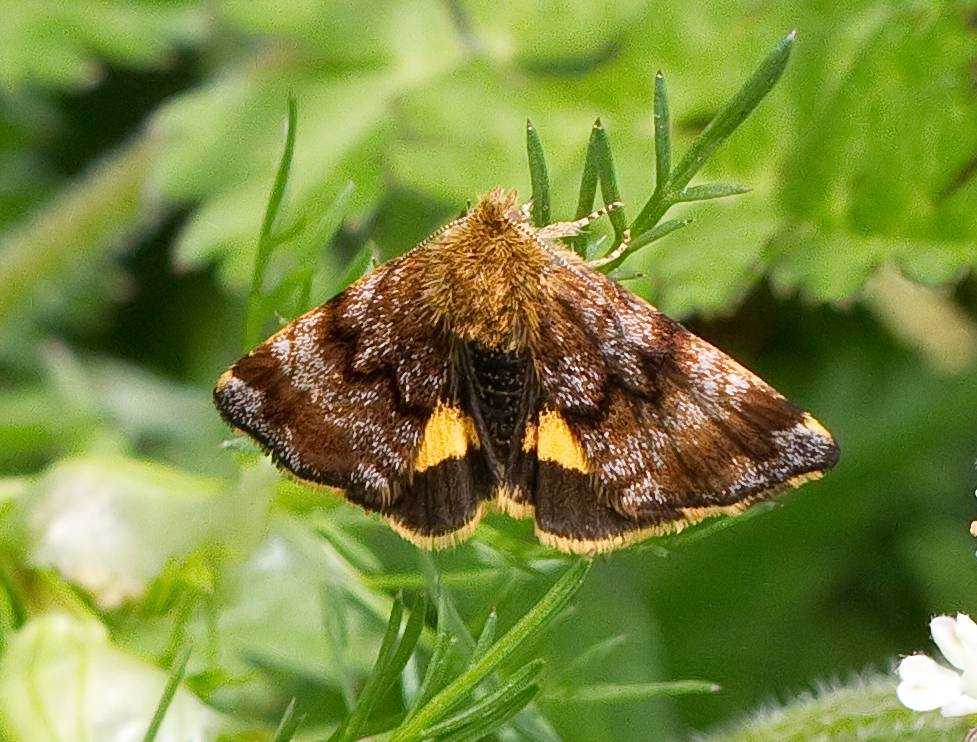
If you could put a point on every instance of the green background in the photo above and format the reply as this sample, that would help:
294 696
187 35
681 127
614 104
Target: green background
138 144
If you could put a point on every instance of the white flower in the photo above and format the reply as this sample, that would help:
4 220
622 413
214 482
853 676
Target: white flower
61 679
927 685
111 524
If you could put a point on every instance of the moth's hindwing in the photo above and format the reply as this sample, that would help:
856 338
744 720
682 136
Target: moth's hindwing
356 395
644 428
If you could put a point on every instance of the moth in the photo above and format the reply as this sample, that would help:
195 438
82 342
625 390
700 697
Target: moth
492 367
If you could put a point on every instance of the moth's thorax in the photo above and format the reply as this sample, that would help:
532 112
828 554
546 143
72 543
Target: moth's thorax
484 275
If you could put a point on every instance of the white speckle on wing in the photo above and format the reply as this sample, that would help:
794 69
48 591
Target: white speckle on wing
243 401
736 384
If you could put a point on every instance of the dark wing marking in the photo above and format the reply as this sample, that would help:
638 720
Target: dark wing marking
354 395
679 431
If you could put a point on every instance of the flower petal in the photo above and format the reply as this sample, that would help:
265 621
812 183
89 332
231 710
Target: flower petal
925 684
944 631
967 634
962 705
62 678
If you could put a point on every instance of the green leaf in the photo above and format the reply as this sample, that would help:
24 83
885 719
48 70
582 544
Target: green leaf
706 530
608 182
98 210
496 717
656 233
673 190
288 725
487 635
599 168
538 177
593 654
176 676
257 312
394 652
530 723
710 190
437 666
336 638
63 44
865 708
732 114
630 692
541 615
663 134
488 706
588 189
591 173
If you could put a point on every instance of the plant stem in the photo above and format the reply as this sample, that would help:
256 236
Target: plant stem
538 617
266 240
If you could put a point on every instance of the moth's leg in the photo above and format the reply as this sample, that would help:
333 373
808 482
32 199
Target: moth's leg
613 254
525 210
572 229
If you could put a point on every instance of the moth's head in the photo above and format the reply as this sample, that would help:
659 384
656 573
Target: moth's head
497 211
482 274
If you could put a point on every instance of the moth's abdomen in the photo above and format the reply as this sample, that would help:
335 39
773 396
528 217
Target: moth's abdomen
499 379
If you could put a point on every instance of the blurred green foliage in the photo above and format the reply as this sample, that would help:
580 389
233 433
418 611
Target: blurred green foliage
139 142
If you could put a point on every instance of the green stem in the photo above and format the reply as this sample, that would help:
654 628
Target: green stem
168 693
670 184
287 726
266 240
538 617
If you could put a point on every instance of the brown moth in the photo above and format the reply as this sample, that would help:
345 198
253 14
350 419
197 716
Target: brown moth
490 366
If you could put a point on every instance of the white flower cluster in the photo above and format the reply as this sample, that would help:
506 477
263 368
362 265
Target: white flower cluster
927 685
62 678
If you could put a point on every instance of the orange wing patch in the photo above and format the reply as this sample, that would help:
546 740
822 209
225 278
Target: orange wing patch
555 442
448 434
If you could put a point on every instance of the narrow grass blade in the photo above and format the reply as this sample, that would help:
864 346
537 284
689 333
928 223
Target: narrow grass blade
436 589
496 717
176 677
733 113
266 242
591 174
487 636
412 632
655 234
643 240
721 524
538 176
485 707
592 655
663 134
334 630
15 612
361 710
627 692
540 616
288 725
599 168
362 263
622 274
608 180
588 188
437 666
711 190
415 581
530 723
